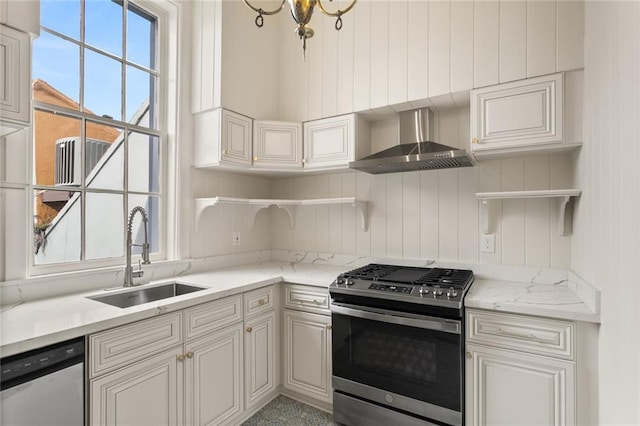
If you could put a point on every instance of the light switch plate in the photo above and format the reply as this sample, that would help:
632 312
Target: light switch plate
236 238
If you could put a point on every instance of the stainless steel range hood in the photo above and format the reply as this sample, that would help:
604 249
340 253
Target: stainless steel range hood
416 151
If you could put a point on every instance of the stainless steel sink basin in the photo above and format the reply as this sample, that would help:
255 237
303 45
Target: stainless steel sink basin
136 297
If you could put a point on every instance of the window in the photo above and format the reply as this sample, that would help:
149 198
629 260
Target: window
98 146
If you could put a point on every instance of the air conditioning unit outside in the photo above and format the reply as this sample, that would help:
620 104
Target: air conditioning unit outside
68 159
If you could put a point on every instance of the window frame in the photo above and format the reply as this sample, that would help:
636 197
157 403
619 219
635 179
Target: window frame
166 15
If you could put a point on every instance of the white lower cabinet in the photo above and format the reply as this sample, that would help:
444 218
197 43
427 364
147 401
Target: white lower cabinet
307 354
519 387
260 358
148 392
213 377
199 381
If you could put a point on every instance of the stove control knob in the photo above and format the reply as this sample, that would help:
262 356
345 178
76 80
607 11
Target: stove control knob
437 291
349 282
339 281
423 290
452 292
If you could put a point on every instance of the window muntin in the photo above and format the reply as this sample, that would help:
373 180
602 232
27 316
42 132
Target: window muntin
104 112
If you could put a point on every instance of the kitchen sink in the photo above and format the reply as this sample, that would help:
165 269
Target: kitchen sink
136 297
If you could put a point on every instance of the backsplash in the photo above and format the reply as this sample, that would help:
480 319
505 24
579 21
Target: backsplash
432 214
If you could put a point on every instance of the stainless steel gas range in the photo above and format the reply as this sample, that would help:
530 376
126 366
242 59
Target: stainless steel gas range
397 345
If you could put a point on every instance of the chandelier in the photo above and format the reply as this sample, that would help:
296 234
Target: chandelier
301 11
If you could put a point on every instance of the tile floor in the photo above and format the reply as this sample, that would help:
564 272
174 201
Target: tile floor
283 411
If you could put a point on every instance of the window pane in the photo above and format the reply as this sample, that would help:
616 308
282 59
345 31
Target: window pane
140 37
56 71
140 98
61 16
151 205
102 85
105 228
103 25
104 156
144 162
56 227
57 147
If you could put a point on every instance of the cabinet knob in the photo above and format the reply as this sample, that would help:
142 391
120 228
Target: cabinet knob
249 329
474 140
304 160
189 354
255 158
180 357
261 302
329 327
468 355
224 152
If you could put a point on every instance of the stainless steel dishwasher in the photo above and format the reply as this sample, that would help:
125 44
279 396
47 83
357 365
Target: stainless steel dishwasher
44 386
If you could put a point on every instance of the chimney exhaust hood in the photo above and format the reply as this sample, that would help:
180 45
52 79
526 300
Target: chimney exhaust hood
416 151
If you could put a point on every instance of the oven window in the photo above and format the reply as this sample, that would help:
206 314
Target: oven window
418 363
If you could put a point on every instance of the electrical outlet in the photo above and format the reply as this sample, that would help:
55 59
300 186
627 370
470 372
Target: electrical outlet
488 243
236 238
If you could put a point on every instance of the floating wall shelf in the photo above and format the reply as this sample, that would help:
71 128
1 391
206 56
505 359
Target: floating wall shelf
290 206
564 217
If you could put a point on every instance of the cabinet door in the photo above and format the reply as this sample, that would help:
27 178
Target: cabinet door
235 138
145 393
523 115
513 388
213 377
307 354
329 142
260 358
277 145
15 80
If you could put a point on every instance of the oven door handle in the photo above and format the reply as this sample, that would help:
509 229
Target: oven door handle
400 318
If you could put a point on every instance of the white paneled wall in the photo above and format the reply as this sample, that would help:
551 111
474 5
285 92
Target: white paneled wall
431 214
217 224
606 242
395 51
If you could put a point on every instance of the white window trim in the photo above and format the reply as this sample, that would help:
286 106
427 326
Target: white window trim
167 13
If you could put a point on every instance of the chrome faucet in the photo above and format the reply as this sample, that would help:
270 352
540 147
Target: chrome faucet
129 273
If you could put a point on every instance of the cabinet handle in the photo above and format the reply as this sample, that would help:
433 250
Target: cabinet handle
329 327
474 140
249 329
255 158
261 302
189 354
180 357
469 356
303 301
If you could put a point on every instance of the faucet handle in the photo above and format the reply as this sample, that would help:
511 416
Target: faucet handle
145 254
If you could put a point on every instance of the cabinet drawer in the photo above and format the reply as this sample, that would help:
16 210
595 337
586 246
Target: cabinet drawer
123 345
305 298
529 334
258 301
208 317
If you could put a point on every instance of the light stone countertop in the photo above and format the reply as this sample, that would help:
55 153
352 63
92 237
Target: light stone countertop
32 324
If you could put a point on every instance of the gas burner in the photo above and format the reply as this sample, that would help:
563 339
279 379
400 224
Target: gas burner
458 278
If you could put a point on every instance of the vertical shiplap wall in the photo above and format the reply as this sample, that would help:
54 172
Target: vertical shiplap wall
432 214
606 242
217 224
396 51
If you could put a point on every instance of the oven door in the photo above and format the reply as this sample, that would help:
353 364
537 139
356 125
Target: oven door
409 362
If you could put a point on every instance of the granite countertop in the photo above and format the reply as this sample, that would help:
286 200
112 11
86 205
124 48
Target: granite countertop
38 323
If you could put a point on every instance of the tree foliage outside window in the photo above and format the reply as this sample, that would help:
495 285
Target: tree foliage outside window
97 145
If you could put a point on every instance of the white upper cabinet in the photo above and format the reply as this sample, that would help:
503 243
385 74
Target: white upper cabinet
222 138
15 93
277 145
334 142
520 116
23 15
